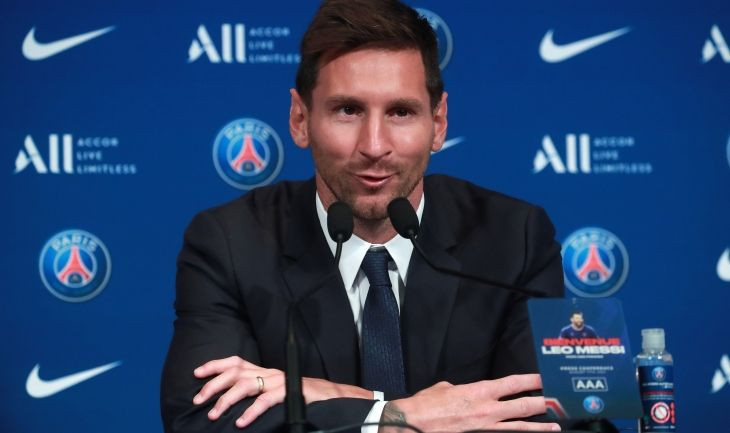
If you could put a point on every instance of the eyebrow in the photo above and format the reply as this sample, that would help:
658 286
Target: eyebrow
336 100
406 102
342 100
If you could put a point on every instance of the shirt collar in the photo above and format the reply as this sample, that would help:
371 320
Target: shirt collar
353 251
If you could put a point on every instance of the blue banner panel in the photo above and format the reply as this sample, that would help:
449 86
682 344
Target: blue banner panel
121 120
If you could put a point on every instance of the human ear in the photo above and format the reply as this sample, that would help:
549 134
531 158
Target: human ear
440 123
298 120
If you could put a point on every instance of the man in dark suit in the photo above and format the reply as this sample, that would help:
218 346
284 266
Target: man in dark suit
370 104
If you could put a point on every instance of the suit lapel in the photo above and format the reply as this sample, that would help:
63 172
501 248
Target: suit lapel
429 297
325 309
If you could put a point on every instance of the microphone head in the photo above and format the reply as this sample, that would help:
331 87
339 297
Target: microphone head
403 217
339 221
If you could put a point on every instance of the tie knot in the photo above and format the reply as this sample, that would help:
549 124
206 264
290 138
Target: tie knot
375 266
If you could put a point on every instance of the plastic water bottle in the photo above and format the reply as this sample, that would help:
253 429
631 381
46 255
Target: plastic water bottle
655 369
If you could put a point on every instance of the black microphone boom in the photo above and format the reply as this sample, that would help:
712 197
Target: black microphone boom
339 226
405 222
296 417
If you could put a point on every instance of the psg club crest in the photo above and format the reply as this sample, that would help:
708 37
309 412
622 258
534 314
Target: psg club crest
658 373
595 262
443 35
75 265
593 404
248 153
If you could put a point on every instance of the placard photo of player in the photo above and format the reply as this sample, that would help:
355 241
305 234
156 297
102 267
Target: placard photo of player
578 328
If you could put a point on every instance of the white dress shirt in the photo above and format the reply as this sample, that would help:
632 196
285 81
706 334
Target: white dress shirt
357 285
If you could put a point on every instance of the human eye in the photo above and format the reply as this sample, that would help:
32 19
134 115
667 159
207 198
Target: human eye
404 109
402 112
347 110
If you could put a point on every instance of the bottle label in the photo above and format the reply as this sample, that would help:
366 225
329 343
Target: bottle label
657 396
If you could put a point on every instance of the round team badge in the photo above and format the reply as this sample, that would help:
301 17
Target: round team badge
658 373
660 412
595 262
248 153
593 404
75 265
443 34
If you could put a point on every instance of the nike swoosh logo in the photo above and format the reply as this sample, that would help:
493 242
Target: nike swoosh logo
553 53
39 388
34 50
450 143
723 266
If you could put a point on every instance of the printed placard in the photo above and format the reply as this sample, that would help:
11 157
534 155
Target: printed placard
585 359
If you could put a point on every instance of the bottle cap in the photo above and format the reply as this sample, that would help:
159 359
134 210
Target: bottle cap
652 339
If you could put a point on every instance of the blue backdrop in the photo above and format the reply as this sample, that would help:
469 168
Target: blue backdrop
613 116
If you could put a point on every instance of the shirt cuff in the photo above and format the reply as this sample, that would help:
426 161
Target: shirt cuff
376 412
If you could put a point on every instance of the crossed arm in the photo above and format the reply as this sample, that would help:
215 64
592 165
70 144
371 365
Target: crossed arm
210 376
223 395
441 407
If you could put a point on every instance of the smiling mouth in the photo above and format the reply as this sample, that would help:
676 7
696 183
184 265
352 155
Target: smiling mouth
373 181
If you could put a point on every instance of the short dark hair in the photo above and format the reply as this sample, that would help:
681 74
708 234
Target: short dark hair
343 26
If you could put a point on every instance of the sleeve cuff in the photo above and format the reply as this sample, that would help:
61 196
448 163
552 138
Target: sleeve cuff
374 415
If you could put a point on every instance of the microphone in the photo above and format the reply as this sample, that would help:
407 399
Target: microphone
339 226
403 218
405 222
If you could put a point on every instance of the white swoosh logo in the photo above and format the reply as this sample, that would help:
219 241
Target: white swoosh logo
39 388
553 53
34 50
450 143
723 266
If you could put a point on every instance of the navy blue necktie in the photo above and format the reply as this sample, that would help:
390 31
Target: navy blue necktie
382 356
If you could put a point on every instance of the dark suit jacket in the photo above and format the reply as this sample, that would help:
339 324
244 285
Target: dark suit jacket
243 262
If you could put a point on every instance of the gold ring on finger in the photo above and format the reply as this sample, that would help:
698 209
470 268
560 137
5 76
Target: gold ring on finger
260 381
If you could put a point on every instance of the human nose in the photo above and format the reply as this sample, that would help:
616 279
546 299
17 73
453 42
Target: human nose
373 141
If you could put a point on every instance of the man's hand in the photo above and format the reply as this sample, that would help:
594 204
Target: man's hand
474 406
240 378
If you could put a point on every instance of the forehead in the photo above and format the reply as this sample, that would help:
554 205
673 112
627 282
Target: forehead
373 74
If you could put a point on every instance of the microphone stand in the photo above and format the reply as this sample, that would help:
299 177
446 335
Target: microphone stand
296 417
295 409
405 222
